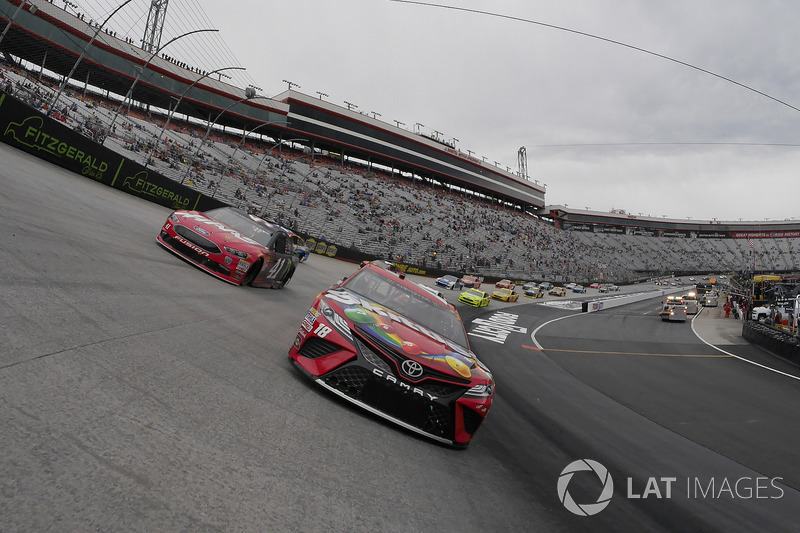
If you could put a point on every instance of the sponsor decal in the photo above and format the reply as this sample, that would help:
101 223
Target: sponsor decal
220 226
497 327
310 318
201 231
347 298
29 133
191 245
139 184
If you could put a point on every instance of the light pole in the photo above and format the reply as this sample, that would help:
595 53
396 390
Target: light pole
83 53
183 94
249 93
139 75
291 84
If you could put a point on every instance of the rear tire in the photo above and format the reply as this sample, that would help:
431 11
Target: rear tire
255 268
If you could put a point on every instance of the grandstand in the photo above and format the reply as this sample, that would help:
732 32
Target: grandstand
351 180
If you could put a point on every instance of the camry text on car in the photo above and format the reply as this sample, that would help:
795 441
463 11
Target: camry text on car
398 350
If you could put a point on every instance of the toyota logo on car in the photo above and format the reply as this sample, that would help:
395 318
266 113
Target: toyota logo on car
411 368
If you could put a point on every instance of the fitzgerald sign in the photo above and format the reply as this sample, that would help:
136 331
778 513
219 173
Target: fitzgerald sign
26 128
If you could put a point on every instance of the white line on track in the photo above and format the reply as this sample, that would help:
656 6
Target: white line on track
739 357
540 347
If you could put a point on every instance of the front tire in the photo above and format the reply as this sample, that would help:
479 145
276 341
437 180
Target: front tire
255 268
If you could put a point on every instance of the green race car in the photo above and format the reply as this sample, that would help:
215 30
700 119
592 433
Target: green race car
474 297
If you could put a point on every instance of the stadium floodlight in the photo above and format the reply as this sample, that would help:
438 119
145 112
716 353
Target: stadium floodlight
174 109
129 94
249 94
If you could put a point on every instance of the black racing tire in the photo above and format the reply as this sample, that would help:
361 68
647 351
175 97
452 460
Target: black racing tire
290 275
251 274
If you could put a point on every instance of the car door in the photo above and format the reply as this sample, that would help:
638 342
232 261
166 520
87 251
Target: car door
280 264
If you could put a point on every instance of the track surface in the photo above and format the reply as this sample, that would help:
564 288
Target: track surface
138 393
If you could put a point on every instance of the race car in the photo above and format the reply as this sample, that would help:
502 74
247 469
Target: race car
448 282
300 246
474 297
505 284
471 282
398 350
533 292
557 291
505 295
231 245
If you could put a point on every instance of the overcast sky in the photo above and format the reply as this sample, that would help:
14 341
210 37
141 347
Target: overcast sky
605 126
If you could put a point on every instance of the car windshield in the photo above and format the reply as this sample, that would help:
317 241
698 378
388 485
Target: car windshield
409 303
475 292
242 223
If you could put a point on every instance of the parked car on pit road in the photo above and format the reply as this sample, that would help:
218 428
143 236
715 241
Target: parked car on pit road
231 245
449 282
474 297
557 291
505 295
398 350
505 284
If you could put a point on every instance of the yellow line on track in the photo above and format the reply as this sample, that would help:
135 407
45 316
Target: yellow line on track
714 356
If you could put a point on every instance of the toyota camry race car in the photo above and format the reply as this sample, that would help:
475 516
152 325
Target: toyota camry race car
231 245
398 350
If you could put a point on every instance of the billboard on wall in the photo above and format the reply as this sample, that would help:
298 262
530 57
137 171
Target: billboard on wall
27 129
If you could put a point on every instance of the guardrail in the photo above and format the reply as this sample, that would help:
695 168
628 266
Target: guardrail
591 306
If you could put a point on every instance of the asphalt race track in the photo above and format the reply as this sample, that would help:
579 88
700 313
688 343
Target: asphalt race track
139 393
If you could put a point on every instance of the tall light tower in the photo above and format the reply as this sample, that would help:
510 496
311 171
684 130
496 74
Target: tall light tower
522 157
155 23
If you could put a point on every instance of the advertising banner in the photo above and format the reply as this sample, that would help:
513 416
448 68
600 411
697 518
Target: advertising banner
27 129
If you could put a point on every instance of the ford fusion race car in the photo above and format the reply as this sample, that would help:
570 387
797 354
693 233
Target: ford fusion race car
398 350
231 245
474 297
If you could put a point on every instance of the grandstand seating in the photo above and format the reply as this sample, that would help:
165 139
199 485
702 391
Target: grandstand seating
394 217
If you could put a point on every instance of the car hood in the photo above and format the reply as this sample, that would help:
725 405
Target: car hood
404 336
216 231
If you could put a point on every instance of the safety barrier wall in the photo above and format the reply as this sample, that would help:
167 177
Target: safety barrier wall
26 128
592 306
778 342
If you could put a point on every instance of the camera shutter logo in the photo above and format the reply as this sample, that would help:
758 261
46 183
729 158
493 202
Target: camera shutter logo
586 509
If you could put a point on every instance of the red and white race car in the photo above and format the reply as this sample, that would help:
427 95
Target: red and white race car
231 245
398 350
